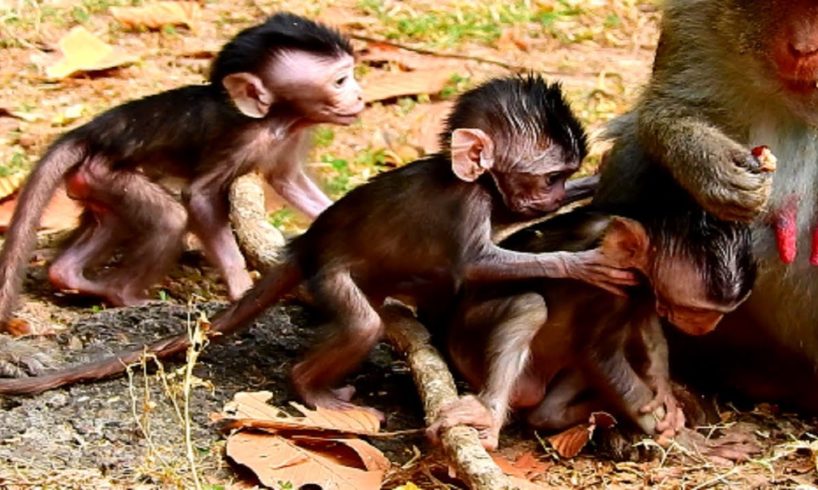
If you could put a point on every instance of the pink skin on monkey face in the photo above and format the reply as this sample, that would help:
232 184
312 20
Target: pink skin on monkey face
681 298
324 89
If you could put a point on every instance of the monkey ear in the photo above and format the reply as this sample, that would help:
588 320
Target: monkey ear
626 241
249 94
472 153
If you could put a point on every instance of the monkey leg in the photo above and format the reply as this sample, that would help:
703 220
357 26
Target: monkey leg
512 322
93 244
618 378
354 330
126 204
561 408
209 213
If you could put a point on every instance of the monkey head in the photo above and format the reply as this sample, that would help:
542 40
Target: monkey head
519 135
777 39
294 63
699 268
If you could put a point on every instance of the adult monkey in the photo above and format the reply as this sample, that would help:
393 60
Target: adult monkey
730 75
267 86
417 232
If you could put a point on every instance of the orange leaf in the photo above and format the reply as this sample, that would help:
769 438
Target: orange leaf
156 15
82 51
570 442
61 213
250 410
388 85
525 466
274 459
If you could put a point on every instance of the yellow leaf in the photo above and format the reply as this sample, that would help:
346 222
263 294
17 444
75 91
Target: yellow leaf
68 115
408 486
156 15
82 51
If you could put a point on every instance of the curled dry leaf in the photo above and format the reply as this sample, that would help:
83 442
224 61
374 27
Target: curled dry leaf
388 85
157 15
570 442
84 52
306 450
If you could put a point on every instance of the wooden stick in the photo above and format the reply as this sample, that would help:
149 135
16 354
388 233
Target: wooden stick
258 239
436 386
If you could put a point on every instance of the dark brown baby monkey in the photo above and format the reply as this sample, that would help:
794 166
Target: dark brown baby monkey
561 349
417 232
267 86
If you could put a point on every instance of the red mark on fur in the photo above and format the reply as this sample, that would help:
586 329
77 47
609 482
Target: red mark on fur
813 256
786 231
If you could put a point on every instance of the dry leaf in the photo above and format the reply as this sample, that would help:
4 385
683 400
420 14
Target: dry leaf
526 466
251 410
388 85
512 38
570 442
426 123
10 183
17 327
341 18
62 213
156 15
274 459
82 51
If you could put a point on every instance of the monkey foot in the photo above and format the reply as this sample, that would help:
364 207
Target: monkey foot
470 411
338 399
737 444
668 412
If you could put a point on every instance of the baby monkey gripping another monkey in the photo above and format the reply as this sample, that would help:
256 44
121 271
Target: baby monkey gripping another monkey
561 349
417 232
267 86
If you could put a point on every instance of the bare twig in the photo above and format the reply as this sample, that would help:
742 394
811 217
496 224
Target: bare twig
258 239
456 56
436 387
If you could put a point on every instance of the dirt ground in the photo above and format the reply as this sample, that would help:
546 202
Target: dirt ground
123 433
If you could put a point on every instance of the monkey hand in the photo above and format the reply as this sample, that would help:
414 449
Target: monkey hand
470 411
730 183
670 417
599 269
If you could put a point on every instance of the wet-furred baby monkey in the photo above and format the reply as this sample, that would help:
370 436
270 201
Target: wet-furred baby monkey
731 75
267 86
417 232
561 350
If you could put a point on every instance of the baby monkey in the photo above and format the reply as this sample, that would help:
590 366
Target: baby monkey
267 87
417 232
546 345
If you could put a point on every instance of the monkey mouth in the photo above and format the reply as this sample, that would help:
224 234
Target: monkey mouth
800 85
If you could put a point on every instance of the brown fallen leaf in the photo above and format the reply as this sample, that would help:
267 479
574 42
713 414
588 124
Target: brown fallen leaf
251 410
425 125
388 85
526 466
376 53
274 459
17 327
61 213
512 38
157 15
570 442
84 52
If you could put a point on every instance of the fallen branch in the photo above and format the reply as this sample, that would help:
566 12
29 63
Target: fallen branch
258 239
436 387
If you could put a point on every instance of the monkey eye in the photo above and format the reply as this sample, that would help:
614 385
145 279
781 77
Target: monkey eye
341 81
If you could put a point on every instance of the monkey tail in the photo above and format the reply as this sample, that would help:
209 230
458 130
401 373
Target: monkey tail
22 232
272 287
